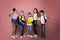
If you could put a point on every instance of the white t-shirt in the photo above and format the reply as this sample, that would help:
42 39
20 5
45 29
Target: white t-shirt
14 15
41 18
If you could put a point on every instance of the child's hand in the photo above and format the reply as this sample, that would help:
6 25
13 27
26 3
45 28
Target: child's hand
10 13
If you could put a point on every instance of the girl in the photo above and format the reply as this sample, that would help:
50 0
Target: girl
29 24
14 16
35 21
21 23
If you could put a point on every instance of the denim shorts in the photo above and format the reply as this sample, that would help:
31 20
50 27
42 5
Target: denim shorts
14 22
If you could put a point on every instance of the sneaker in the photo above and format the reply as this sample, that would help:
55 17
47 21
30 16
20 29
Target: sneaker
21 36
31 36
13 37
28 35
35 36
16 35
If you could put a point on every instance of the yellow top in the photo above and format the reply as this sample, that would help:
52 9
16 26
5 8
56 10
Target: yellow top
21 18
29 21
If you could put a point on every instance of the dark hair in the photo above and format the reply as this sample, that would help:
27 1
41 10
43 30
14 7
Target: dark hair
21 11
14 9
42 11
29 13
36 11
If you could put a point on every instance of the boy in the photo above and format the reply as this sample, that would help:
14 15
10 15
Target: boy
14 16
43 20
29 24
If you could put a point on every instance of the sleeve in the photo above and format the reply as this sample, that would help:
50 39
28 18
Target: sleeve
45 17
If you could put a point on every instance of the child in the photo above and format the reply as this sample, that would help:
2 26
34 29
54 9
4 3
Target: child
35 21
29 24
14 16
43 20
21 23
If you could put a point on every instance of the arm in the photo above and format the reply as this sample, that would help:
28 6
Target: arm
10 14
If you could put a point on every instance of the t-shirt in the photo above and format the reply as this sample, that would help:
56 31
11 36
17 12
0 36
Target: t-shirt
21 17
29 21
22 20
15 15
41 18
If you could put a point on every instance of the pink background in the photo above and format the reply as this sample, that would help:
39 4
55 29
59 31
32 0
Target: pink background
52 10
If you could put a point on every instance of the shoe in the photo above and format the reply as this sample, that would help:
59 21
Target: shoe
35 36
16 35
31 36
21 36
13 37
28 35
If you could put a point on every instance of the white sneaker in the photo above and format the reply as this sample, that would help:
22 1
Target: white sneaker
35 36
13 37
31 36
16 35
21 36
28 35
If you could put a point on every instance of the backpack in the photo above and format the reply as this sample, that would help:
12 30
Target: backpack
45 19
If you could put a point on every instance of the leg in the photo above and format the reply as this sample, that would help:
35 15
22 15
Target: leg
15 30
35 31
44 30
41 31
13 33
30 30
23 30
20 30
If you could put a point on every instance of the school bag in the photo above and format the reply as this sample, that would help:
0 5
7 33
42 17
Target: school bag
45 19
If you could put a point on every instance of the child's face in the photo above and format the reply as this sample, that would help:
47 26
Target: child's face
41 13
34 11
14 10
29 15
22 13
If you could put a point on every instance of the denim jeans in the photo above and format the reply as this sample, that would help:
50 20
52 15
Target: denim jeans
43 30
21 30
30 29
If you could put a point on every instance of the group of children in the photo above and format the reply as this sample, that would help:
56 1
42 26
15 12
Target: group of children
32 21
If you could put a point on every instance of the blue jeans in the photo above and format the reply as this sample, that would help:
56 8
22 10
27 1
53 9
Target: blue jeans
43 30
30 29
21 30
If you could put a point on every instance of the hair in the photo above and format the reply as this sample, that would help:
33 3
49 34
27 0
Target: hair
14 9
29 13
36 11
42 11
22 11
